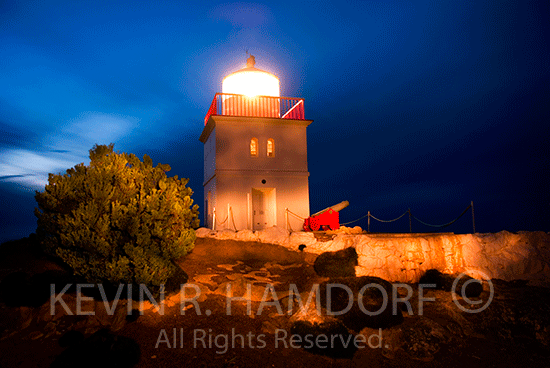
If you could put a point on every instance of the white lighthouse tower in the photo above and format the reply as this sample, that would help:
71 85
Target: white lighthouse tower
255 154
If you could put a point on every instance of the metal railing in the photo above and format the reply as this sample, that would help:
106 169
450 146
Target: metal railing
230 104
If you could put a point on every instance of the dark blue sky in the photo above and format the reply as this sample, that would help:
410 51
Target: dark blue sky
426 105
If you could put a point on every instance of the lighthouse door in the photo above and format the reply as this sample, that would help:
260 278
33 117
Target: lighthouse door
263 208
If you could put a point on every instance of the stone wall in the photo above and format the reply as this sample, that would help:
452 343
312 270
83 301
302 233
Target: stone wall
405 257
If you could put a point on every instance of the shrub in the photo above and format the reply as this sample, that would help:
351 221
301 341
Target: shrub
340 263
118 220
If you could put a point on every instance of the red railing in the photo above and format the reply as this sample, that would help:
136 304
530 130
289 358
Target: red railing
230 104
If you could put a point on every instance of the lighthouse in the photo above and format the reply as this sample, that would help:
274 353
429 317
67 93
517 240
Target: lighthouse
255 154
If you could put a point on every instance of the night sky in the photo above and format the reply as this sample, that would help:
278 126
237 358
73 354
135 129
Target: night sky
423 105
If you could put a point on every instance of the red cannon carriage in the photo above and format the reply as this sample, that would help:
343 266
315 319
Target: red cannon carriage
327 219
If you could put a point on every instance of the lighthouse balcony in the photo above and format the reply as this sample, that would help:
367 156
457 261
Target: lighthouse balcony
230 104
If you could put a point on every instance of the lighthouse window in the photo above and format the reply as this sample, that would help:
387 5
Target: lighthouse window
253 147
270 148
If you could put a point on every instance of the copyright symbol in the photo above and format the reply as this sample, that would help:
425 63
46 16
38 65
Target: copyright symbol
468 300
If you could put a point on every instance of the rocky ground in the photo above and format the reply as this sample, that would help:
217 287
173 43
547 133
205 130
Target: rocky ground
512 331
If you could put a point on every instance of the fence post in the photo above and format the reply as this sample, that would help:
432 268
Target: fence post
473 217
213 218
228 209
232 218
410 222
368 222
286 218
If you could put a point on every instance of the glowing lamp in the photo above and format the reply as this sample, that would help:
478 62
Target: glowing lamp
250 83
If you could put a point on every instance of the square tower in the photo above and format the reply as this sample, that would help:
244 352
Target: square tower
255 155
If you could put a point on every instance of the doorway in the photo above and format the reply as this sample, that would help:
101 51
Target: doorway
263 208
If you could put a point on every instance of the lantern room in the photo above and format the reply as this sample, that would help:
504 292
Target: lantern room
245 91
255 154
251 82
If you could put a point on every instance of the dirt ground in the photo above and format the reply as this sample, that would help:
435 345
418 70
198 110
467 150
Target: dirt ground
442 337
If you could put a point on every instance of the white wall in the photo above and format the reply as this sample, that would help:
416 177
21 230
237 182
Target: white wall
233 172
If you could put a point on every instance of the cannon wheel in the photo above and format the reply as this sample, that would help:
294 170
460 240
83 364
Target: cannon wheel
314 225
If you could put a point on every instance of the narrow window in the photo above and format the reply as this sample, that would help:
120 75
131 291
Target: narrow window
253 147
270 148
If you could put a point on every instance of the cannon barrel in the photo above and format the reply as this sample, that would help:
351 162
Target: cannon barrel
337 207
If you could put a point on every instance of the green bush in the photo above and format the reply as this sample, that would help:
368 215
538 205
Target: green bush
118 220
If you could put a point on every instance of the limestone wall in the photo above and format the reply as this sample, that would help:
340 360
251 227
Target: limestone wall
405 257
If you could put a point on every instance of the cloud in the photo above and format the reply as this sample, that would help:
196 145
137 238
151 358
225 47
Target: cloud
90 128
61 150
30 169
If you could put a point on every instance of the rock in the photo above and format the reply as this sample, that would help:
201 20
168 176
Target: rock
206 279
303 238
239 288
445 282
203 232
71 338
119 319
14 319
376 299
133 316
35 335
59 310
405 257
274 235
337 344
420 339
346 230
225 234
246 235
517 313
50 328
275 322
18 289
103 316
175 282
102 349
14 290
313 320
26 318
40 285
336 264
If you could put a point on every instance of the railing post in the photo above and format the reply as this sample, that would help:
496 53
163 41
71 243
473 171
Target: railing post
368 222
473 218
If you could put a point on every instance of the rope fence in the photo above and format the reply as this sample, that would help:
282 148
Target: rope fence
368 215
287 212
232 218
443 225
295 215
215 221
411 216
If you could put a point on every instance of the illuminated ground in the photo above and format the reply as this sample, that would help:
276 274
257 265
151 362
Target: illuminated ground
511 332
